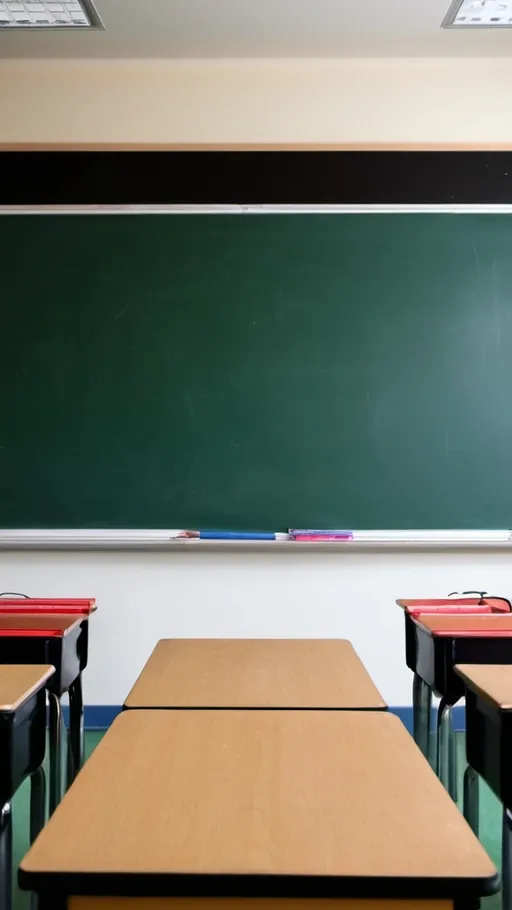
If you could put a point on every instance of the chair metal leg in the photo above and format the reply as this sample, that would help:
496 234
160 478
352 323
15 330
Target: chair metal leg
506 872
76 725
6 857
55 737
471 805
453 764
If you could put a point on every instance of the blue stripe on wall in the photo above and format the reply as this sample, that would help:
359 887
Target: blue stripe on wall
99 717
405 715
96 717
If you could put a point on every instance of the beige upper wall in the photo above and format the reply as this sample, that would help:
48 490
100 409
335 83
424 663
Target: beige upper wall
358 101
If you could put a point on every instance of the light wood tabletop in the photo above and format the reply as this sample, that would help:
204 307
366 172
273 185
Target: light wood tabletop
254 673
484 623
292 803
41 621
18 682
492 681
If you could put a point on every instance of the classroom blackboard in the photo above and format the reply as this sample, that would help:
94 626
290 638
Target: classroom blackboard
256 371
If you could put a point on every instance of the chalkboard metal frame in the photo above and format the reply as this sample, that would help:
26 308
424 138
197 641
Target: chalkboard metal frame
255 177
159 540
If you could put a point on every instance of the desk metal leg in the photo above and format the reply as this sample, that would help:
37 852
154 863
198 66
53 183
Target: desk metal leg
76 725
417 684
443 736
506 871
55 736
37 802
453 765
37 814
446 764
471 798
6 857
422 703
426 710
467 903
70 766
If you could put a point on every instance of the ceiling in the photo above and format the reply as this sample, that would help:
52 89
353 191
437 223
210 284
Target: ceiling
263 28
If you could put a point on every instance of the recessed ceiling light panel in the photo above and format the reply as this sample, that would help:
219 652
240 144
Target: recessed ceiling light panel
32 14
479 14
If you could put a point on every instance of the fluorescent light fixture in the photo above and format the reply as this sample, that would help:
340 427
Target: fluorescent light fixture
479 14
32 14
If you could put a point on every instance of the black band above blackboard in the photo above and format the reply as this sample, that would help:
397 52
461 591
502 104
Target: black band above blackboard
256 177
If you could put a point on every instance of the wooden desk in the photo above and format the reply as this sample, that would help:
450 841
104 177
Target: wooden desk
489 724
254 673
22 724
256 804
62 641
18 683
22 745
437 608
489 743
442 642
58 638
492 682
421 692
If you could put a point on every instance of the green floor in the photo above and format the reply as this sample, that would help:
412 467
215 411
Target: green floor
21 808
490 823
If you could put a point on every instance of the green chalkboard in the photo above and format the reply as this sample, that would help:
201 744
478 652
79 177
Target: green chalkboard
256 371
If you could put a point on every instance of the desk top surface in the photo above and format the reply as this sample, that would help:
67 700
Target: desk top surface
254 673
439 603
331 803
492 681
18 682
486 624
41 621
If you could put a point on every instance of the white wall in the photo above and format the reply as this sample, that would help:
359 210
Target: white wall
143 596
352 101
